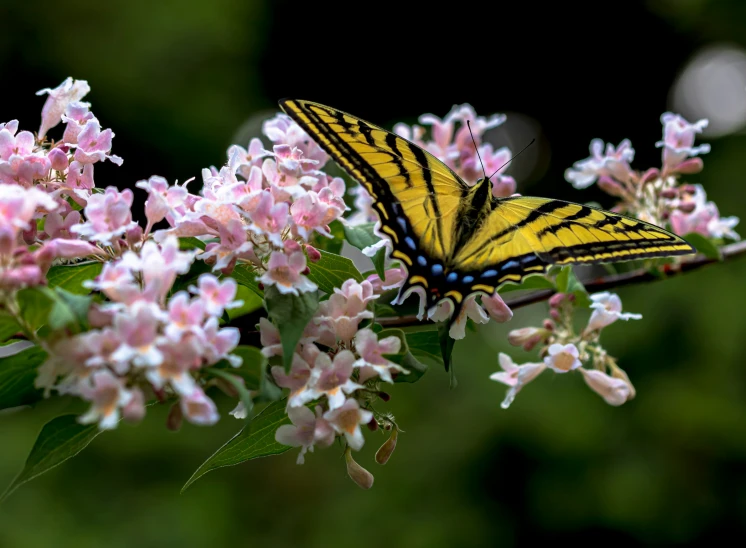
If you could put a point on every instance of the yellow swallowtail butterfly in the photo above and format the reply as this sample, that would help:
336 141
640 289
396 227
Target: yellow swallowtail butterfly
456 239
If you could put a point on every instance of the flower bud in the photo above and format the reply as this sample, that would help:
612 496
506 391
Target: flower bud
688 189
373 425
549 325
687 207
610 186
357 473
669 193
384 396
306 271
556 300
690 166
619 373
650 175
313 254
527 337
58 159
134 235
554 313
387 449
613 390
175 418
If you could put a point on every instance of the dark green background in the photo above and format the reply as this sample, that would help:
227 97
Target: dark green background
179 81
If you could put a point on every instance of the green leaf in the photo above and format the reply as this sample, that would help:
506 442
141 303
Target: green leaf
255 440
183 282
17 375
71 277
251 302
446 346
59 440
68 310
333 244
704 245
191 243
252 366
35 304
404 357
567 282
332 271
424 344
8 326
362 236
533 282
290 313
245 276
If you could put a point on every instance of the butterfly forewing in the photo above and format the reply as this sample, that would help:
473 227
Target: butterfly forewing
416 195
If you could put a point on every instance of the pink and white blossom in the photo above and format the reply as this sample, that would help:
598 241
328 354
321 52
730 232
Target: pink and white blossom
562 358
346 421
607 308
515 376
285 273
199 409
613 162
372 353
108 215
332 378
678 141
58 100
216 296
306 431
107 396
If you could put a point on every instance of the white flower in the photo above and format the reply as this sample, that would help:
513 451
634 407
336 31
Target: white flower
306 431
607 308
347 420
515 376
107 396
562 359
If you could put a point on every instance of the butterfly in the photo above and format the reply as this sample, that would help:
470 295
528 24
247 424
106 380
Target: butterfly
456 239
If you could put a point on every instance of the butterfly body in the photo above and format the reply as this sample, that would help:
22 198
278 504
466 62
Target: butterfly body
456 239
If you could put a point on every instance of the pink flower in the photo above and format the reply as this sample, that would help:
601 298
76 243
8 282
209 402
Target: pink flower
372 361
515 376
269 336
178 360
283 130
332 379
162 198
393 278
55 226
107 396
18 206
108 215
562 359
116 281
309 215
59 98
346 308
76 116
220 342
233 245
159 265
285 273
137 327
470 309
613 163
496 308
364 206
346 420
270 218
94 144
100 346
199 409
58 159
306 431
614 391
678 141
184 316
607 308
298 381
703 217
216 296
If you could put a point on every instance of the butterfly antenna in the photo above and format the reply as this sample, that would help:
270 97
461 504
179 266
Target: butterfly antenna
468 124
513 158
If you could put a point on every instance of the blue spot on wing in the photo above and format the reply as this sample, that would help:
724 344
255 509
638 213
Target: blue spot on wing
410 242
436 269
489 273
402 223
468 279
510 264
452 277
422 260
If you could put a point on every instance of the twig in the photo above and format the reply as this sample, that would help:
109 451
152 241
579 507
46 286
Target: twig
603 283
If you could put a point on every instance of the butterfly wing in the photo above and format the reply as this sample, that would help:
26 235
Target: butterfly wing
523 235
416 195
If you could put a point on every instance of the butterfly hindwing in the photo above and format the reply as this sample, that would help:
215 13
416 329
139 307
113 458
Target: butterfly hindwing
416 196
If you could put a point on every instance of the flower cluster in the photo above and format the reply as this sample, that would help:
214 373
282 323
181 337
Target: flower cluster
144 343
336 369
657 195
563 350
261 209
